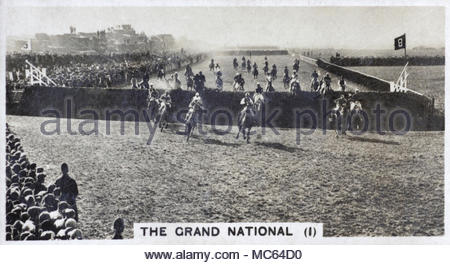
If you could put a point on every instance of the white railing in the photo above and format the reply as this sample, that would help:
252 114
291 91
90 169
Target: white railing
37 76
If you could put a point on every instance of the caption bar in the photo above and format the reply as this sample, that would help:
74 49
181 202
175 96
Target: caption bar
228 233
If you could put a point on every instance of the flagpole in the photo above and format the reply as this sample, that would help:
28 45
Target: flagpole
405 49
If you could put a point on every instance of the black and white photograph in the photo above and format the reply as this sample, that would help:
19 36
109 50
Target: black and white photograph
249 123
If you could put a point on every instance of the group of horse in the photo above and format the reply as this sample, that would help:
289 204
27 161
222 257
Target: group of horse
250 116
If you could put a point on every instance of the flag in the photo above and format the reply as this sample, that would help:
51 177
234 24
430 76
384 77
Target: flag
400 42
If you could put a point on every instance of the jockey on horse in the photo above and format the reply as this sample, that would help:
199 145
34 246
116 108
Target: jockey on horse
295 87
247 117
269 86
235 63
315 81
342 84
258 97
266 67
255 71
296 65
188 72
219 81
244 63
239 82
152 101
211 65
192 117
274 71
286 78
327 81
249 66
176 81
165 103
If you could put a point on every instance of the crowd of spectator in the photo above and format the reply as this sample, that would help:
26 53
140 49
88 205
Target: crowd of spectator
35 211
95 70
387 61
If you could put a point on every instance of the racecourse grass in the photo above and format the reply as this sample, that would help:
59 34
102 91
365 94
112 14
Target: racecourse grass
369 185
428 80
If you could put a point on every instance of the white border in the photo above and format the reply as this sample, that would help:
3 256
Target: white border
327 240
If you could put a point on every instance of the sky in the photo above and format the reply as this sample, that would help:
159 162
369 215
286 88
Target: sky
300 27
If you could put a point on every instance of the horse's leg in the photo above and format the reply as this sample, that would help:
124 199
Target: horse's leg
248 134
239 131
187 131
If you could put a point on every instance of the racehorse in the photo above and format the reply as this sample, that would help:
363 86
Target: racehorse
235 64
338 117
191 121
315 84
355 108
273 73
295 88
286 81
266 69
249 68
161 74
246 120
153 106
255 73
162 116
269 86
219 83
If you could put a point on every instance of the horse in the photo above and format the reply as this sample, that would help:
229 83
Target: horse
340 110
211 66
249 68
315 84
355 108
238 86
190 122
269 86
273 73
295 88
162 116
286 81
266 69
235 65
255 73
153 106
161 74
219 83
246 120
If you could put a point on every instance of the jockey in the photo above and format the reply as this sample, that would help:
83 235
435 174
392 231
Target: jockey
340 102
286 71
315 75
166 99
188 71
248 103
327 80
176 81
255 66
152 93
342 84
236 78
196 103
259 88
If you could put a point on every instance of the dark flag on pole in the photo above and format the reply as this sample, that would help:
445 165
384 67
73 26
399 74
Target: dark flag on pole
400 42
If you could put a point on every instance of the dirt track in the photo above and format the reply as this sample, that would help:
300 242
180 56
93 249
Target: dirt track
357 186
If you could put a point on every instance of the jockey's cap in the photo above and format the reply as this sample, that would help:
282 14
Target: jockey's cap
197 94
247 94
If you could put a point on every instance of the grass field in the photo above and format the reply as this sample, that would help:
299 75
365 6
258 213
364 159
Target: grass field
428 80
369 185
